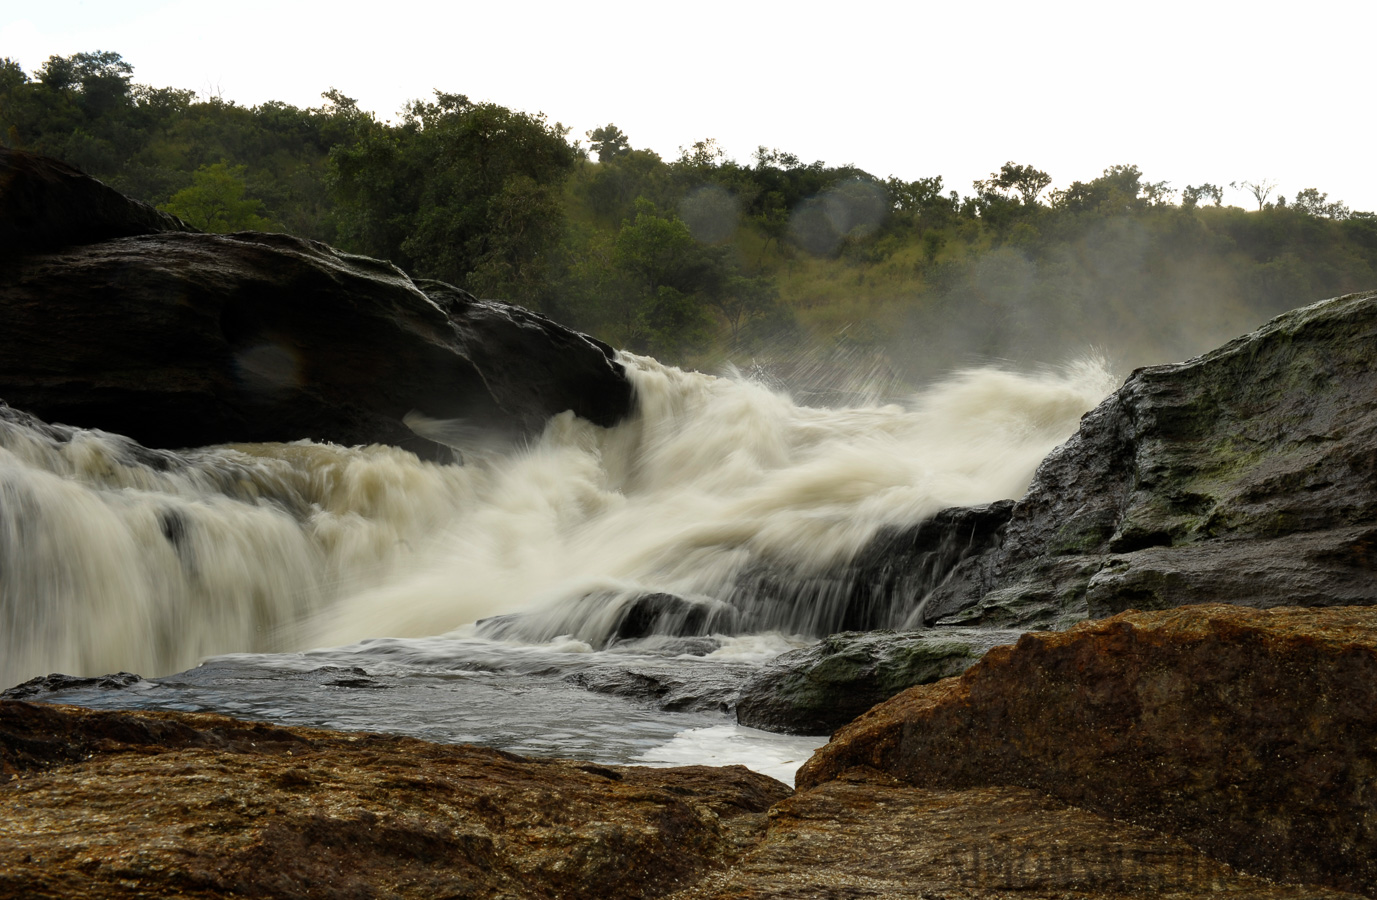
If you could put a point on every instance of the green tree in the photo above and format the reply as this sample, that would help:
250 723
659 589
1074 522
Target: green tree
1312 202
741 300
470 193
1117 190
217 202
656 251
1024 181
609 142
1193 194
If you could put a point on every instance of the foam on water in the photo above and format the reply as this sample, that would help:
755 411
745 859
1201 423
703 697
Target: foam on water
109 562
776 755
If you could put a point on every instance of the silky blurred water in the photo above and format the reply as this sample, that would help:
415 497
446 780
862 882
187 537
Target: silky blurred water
489 601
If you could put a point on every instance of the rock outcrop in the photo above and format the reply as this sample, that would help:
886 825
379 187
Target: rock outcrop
818 689
152 805
1250 734
1245 476
114 316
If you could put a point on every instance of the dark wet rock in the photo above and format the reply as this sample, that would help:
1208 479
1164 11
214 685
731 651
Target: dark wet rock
49 684
45 204
1251 734
661 614
182 339
818 689
1246 476
883 587
683 688
606 619
195 805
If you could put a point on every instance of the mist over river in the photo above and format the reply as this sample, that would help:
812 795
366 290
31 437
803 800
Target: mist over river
490 599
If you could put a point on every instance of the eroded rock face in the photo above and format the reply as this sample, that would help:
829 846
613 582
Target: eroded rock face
100 804
181 339
1245 476
1251 734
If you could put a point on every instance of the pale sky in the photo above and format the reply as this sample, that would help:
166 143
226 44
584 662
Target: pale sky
1190 92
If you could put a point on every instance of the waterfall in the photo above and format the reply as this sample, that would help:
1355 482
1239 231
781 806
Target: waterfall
116 557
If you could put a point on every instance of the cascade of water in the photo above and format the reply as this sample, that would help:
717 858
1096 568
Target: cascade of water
115 557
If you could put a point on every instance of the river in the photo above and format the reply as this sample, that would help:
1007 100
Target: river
503 600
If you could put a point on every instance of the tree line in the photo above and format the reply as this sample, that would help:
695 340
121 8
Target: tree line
703 257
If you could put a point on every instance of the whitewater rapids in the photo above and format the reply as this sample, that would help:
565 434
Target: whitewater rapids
108 562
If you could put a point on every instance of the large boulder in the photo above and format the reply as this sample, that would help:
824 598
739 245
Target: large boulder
1252 734
1247 476
181 339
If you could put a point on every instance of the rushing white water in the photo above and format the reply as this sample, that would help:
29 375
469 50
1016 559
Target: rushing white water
109 563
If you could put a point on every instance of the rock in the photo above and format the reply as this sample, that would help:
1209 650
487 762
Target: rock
676 687
45 204
103 804
860 836
818 689
661 613
884 586
1247 476
1250 734
150 805
50 684
185 339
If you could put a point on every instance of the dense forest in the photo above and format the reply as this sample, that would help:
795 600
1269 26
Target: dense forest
804 268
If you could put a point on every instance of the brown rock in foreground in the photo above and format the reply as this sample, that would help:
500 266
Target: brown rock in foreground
135 805
1252 734
864 835
145 805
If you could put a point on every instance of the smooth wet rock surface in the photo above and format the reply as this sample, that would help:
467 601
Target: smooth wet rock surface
1250 734
1245 476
